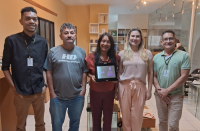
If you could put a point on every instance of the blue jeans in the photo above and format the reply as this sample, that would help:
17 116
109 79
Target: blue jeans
58 109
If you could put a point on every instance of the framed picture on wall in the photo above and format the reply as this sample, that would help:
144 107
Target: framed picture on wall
46 29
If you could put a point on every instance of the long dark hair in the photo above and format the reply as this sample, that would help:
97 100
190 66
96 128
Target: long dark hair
111 51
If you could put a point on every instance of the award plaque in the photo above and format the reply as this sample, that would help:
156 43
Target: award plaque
106 72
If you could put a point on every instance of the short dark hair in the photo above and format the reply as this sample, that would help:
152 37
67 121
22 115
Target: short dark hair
68 26
168 31
28 9
177 41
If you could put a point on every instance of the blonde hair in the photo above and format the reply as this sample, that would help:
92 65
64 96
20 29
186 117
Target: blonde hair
128 52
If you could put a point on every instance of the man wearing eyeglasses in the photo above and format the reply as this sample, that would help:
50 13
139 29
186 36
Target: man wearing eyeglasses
171 70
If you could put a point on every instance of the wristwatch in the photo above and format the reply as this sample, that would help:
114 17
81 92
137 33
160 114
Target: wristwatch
45 85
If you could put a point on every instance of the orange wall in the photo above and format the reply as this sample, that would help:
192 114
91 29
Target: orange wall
95 9
10 15
79 16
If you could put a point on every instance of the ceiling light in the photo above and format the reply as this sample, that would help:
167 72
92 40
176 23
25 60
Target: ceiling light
145 2
182 7
174 3
166 18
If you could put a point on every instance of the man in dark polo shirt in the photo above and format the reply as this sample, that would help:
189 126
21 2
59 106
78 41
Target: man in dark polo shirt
26 53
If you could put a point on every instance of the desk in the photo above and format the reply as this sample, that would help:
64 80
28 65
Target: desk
8 118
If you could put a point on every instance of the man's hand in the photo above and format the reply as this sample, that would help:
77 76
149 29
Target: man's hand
14 90
82 93
44 89
53 95
147 95
163 92
166 99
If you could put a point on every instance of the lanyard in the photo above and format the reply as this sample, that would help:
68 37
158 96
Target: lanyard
27 45
168 60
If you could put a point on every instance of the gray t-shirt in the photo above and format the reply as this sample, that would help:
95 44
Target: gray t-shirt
67 70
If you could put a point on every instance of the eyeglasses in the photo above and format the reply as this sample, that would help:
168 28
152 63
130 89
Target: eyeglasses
170 39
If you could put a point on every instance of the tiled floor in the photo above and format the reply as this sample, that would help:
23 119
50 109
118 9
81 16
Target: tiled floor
187 123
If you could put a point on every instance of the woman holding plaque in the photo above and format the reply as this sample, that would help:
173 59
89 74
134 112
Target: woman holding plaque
136 63
102 93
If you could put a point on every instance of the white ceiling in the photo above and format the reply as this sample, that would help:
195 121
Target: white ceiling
122 6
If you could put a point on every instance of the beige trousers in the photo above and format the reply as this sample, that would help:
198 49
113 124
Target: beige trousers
169 115
22 104
132 100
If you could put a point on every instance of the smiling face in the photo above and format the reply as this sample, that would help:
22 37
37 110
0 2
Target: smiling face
29 21
168 41
68 36
135 39
105 44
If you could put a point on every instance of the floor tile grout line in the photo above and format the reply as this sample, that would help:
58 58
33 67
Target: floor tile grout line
192 125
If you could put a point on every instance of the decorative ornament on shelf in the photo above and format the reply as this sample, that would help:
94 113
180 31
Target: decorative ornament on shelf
93 48
103 31
104 19
93 30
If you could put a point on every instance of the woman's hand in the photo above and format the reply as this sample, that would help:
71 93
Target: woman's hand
116 96
92 78
147 95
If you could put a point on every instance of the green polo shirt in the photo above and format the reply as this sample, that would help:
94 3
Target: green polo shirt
179 60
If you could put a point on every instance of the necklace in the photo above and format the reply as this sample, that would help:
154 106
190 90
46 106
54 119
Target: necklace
136 62
102 60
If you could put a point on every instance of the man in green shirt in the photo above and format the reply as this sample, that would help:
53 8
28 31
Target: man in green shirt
171 70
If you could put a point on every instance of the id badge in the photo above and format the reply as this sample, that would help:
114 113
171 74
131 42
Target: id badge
29 61
166 73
